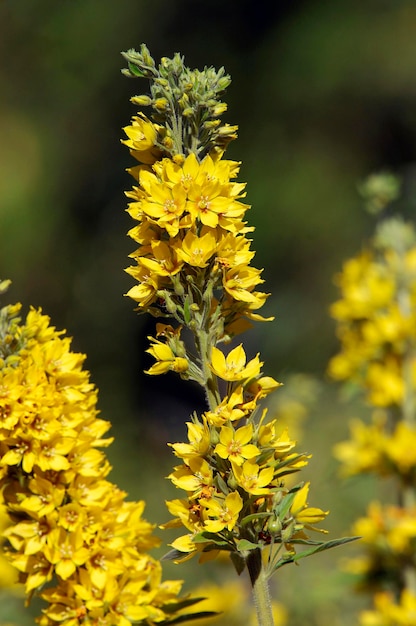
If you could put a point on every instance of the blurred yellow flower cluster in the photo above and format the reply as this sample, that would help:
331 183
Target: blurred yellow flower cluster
390 612
72 536
376 325
373 326
378 449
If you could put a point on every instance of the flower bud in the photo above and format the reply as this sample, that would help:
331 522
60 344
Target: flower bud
161 104
142 101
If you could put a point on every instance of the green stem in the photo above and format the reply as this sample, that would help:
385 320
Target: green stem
211 386
260 587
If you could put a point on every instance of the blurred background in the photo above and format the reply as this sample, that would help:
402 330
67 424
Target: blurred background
324 93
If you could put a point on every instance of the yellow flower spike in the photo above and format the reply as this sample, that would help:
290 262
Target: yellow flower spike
225 513
233 366
235 446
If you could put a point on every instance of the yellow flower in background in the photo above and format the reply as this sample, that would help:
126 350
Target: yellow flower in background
231 601
364 451
390 612
70 530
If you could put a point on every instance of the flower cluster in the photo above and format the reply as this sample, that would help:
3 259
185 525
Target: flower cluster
391 612
376 316
378 449
232 471
74 538
193 266
376 325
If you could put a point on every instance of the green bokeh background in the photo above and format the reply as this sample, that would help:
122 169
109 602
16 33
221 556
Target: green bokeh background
324 94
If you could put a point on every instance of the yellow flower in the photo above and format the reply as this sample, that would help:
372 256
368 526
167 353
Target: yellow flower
233 367
196 477
235 446
165 359
225 513
165 261
163 205
254 479
304 514
66 551
400 448
230 409
142 135
197 251
240 281
199 441
364 451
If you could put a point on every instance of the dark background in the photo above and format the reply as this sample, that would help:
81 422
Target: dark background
324 94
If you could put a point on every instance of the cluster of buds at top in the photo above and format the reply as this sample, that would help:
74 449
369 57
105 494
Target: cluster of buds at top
185 103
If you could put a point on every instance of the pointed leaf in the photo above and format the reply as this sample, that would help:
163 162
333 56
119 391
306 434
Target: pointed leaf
245 544
136 71
319 547
254 516
173 555
188 616
238 561
186 311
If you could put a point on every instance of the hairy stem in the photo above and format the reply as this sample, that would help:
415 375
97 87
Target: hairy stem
260 587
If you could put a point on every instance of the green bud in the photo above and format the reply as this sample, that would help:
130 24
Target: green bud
274 526
287 533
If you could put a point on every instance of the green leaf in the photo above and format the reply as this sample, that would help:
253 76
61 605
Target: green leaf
188 616
213 538
173 607
245 544
136 71
173 555
186 311
238 561
317 547
221 484
254 516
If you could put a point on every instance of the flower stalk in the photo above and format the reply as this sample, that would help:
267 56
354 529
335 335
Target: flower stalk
193 268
